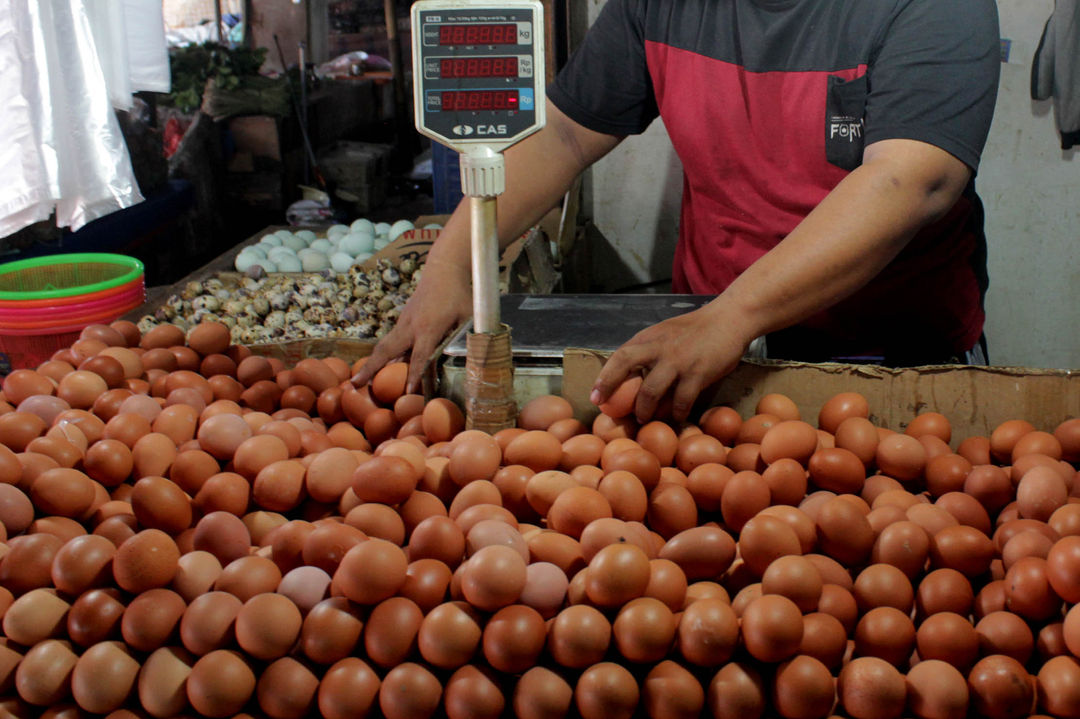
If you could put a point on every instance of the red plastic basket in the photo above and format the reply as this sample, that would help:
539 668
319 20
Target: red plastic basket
28 351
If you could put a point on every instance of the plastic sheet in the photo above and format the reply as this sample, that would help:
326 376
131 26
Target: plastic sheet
59 110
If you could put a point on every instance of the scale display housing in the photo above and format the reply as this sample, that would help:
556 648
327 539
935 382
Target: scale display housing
478 72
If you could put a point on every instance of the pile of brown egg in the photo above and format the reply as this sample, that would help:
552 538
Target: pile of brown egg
190 530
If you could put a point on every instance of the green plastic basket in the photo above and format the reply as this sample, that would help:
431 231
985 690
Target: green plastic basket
66 275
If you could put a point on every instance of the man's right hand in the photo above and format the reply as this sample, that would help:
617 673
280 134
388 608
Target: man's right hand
441 302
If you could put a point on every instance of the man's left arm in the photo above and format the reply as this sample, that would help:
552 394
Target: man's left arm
901 186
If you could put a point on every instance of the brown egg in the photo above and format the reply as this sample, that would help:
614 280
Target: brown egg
797 579
35 616
697 450
286 689
701 552
669 690
384 479
582 449
268 625
151 618
618 573
887 633
196 573
671 509
963 548
792 438
220 684
1000 687
63 492
869 687
837 469
763 539
901 456
606 690
938 689
772 628
245 577
1002 632
494 577
43 677
944 590
1028 591
371 571
844 532
409 690
223 535
708 632
644 630
348 689
824 638
83 563
162 681
989 485
949 637
1040 492
736 690
803 687
542 694
146 561
207 623
449 635
883 585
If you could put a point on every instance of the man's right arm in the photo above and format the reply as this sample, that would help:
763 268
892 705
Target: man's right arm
538 172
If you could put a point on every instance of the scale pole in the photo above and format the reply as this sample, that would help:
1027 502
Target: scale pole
489 366
485 264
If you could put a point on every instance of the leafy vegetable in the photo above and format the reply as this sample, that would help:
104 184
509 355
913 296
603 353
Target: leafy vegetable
193 65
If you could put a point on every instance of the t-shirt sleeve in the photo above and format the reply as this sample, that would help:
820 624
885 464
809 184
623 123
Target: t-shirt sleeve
935 77
606 86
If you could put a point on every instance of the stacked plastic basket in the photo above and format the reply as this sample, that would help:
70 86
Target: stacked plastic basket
45 302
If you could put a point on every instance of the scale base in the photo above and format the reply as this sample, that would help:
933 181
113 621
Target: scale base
489 382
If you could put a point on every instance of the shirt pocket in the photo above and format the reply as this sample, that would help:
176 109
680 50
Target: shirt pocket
845 106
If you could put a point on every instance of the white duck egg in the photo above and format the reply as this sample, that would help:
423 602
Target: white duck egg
356 242
306 235
363 225
289 263
362 257
398 228
284 234
254 250
270 240
336 230
382 229
295 243
267 265
279 252
315 261
322 245
432 226
381 243
341 261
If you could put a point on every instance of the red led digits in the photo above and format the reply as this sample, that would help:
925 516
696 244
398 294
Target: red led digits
461 67
478 35
467 100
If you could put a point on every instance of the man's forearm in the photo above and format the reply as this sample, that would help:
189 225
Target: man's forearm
847 240
538 172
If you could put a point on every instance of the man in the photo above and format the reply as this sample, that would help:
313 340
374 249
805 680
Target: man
829 148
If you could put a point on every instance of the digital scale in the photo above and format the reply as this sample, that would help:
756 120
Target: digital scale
478 82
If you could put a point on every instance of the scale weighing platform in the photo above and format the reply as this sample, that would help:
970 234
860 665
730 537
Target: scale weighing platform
545 325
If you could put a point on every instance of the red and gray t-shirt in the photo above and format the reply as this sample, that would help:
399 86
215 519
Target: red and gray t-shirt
769 104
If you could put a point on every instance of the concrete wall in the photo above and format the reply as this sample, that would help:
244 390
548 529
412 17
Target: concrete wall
1031 189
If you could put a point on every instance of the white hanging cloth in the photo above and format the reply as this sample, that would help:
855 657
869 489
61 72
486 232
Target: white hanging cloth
56 105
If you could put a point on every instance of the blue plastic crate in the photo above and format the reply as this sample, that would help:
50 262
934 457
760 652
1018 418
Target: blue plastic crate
445 178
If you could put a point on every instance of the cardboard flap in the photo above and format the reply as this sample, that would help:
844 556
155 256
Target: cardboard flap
975 399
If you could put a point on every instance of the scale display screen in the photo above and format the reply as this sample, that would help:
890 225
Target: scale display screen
478 71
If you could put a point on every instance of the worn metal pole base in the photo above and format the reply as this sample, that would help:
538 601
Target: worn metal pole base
489 381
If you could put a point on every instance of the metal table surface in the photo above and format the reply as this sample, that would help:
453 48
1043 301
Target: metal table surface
542 326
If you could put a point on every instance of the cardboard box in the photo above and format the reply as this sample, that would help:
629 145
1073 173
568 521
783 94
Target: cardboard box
975 399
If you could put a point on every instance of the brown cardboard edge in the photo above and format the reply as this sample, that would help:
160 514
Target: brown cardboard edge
975 399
